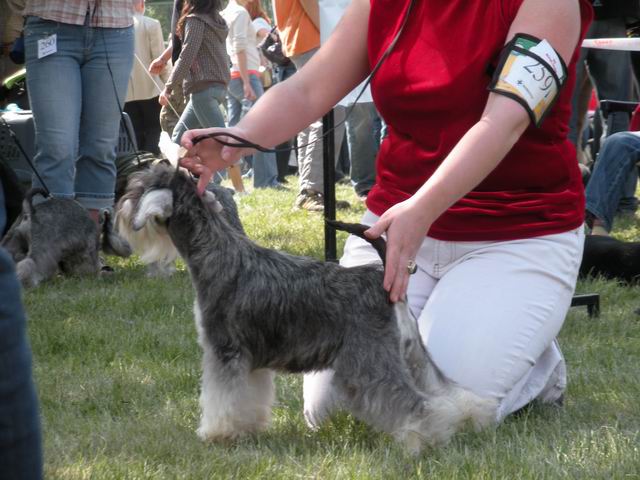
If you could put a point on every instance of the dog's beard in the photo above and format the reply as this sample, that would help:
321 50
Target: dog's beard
151 242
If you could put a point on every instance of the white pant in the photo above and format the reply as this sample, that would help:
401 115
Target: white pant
489 313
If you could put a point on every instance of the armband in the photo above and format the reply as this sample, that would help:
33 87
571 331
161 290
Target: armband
530 72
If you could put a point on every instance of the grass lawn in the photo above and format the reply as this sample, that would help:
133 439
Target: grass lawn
117 368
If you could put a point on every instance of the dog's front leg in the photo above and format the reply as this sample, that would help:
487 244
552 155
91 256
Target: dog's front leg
234 400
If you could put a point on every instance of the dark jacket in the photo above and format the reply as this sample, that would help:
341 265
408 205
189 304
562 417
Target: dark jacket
606 9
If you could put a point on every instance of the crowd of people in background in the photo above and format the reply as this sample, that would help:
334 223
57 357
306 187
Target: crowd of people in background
155 100
185 83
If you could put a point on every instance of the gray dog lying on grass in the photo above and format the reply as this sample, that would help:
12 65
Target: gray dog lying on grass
258 311
58 235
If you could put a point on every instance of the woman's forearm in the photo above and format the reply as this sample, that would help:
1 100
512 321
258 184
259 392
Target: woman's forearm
474 157
241 57
280 114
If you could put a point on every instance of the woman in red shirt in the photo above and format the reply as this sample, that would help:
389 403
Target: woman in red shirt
476 183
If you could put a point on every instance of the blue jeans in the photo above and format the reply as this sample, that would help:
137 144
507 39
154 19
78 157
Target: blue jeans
76 95
202 111
20 442
617 159
363 140
265 169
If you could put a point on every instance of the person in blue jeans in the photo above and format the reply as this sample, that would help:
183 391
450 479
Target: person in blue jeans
245 86
20 435
78 60
201 67
611 75
619 156
265 168
283 153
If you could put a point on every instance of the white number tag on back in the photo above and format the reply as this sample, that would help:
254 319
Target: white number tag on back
47 46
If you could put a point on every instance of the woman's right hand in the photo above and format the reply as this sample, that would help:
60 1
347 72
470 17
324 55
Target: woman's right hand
156 67
208 156
249 93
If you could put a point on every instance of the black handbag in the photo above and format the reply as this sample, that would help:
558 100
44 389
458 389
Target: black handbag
271 48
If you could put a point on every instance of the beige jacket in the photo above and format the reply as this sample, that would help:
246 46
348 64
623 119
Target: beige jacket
149 45
10 20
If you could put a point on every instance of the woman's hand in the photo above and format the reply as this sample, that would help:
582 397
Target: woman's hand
156 67
208 155
406 229
249 94
163 98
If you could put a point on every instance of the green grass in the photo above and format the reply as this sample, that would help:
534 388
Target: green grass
117 368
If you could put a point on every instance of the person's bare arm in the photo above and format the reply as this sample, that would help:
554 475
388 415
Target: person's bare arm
249 94
159 64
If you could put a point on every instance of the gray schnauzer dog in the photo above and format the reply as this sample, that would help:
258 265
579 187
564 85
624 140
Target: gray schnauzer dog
258 311
58 235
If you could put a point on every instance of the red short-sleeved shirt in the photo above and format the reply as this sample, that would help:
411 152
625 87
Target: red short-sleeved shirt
433 87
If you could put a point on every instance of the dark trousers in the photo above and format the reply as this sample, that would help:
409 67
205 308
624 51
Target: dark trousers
145 117
20 443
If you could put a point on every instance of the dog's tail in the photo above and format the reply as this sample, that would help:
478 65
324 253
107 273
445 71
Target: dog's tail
27 204
358 229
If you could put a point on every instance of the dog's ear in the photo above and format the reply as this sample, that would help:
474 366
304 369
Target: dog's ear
211 201
154 205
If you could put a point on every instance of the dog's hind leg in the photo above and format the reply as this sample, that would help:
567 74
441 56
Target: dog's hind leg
36 268
380 390
457 405
382 394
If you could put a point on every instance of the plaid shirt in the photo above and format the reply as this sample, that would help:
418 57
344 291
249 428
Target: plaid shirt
103 13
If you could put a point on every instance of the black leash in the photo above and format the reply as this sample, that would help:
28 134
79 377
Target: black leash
13 135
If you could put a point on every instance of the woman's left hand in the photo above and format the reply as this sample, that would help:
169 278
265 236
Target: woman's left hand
406 229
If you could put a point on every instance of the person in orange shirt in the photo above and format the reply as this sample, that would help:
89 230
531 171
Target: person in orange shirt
298 23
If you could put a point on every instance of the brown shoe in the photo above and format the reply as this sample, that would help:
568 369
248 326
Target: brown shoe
314 201
310 200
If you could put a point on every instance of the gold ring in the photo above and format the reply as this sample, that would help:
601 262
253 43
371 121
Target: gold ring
412 267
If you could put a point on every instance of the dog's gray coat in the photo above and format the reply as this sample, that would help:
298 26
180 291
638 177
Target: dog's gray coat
259 310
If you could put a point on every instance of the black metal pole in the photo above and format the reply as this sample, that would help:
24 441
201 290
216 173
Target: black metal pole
329 174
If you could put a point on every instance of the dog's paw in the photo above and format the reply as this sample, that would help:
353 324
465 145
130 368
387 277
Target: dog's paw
213 436
28 274
160 269
411 440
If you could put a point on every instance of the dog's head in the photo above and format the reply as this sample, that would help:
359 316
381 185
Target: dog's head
145 210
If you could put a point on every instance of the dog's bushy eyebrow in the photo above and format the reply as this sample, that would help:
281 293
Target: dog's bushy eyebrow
358 229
